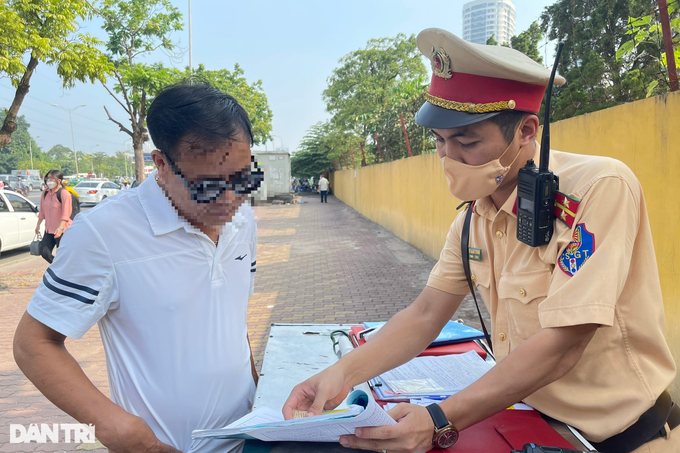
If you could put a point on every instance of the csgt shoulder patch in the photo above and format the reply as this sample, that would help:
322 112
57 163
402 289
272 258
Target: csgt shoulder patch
579 250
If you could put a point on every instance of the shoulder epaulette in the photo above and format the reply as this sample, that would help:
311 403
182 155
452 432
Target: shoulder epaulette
565 208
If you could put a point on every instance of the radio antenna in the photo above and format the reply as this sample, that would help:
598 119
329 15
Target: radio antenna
545 137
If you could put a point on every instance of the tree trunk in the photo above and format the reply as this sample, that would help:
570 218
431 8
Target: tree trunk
9 126
138 145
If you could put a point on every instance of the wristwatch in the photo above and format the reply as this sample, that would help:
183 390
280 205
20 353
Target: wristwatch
60 227
445 434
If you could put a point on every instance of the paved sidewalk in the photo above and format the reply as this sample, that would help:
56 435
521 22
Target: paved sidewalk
316 263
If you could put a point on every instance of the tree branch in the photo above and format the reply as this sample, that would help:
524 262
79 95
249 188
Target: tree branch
120 125
129 109
114 97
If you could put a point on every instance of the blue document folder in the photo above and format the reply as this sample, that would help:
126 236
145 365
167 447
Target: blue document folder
453 332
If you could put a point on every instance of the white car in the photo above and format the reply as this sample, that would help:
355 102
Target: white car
18 217
92 192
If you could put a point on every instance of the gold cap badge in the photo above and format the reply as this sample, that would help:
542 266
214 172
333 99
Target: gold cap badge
441 63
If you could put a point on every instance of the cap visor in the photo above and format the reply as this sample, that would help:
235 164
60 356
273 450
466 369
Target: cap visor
436 117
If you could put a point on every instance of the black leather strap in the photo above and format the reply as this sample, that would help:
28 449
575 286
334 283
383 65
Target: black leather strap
465 251
437 415
650 426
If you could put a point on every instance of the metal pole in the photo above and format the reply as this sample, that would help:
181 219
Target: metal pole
378 143
403 126
191 61
73 140
668 42
30 150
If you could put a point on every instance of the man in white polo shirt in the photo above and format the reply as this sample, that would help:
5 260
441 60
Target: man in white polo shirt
166 271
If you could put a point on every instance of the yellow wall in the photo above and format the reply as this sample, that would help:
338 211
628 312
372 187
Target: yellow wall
410 197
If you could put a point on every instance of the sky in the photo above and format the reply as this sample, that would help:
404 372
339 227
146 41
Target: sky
291 45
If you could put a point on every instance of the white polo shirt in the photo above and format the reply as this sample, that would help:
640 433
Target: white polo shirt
171 309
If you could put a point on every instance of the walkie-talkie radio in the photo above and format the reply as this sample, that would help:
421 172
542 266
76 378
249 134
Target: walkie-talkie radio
536 186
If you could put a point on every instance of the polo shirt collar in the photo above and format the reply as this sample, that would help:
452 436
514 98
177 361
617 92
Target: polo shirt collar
164 218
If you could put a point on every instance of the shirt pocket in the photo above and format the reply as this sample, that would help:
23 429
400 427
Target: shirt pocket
481 279
522 292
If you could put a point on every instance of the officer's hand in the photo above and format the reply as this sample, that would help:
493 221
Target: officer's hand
412 433
323 391
133 436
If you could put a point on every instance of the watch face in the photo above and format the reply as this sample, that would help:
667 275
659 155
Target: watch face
447 438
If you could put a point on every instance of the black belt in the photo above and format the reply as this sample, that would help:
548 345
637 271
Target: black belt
650 426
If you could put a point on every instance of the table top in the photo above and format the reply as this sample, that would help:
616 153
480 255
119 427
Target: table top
296 352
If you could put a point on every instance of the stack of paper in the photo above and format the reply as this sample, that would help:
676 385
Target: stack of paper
268 425
430 377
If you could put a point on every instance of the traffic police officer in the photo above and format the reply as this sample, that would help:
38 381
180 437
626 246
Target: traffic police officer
578 324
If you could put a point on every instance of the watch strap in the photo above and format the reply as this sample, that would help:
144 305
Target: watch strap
438 417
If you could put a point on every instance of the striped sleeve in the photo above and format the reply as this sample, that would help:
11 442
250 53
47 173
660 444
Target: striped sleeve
80 285
253 254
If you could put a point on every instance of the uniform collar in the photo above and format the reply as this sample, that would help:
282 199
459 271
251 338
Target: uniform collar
163 217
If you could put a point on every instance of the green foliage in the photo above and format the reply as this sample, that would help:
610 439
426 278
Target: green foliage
60 153
47 31
366 95
250 96
319 148
527 42
137 28
593 31
43 166
362 87
491 41
18 151
646 47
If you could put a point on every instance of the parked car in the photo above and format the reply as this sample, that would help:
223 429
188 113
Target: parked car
18 216
92 192
13 180
35 182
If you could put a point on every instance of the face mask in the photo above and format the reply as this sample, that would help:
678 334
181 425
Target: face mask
51 184
472 182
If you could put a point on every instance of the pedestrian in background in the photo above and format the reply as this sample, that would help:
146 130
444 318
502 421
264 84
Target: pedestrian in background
323 189
55 213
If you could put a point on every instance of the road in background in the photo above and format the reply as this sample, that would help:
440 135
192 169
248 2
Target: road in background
13 256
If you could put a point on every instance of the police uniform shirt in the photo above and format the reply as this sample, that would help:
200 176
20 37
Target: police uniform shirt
602 270
171 308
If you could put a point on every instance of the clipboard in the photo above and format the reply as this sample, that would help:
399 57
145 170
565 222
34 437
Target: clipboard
456 348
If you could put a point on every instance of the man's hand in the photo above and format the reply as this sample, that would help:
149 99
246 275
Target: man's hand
413 432
322 391
58 233
37 231
135 436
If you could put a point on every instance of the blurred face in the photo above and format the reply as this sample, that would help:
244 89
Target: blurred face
201 162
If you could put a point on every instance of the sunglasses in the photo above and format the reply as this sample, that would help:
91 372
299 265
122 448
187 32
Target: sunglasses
242 182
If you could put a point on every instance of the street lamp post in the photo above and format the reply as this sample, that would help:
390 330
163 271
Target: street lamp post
92 160
30 149
73 139
191 63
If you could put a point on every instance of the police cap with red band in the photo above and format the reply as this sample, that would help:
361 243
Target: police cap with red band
474 82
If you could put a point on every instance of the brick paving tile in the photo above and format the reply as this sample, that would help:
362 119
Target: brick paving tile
316 263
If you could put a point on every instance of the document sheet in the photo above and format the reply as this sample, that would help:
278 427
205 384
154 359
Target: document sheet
268 425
